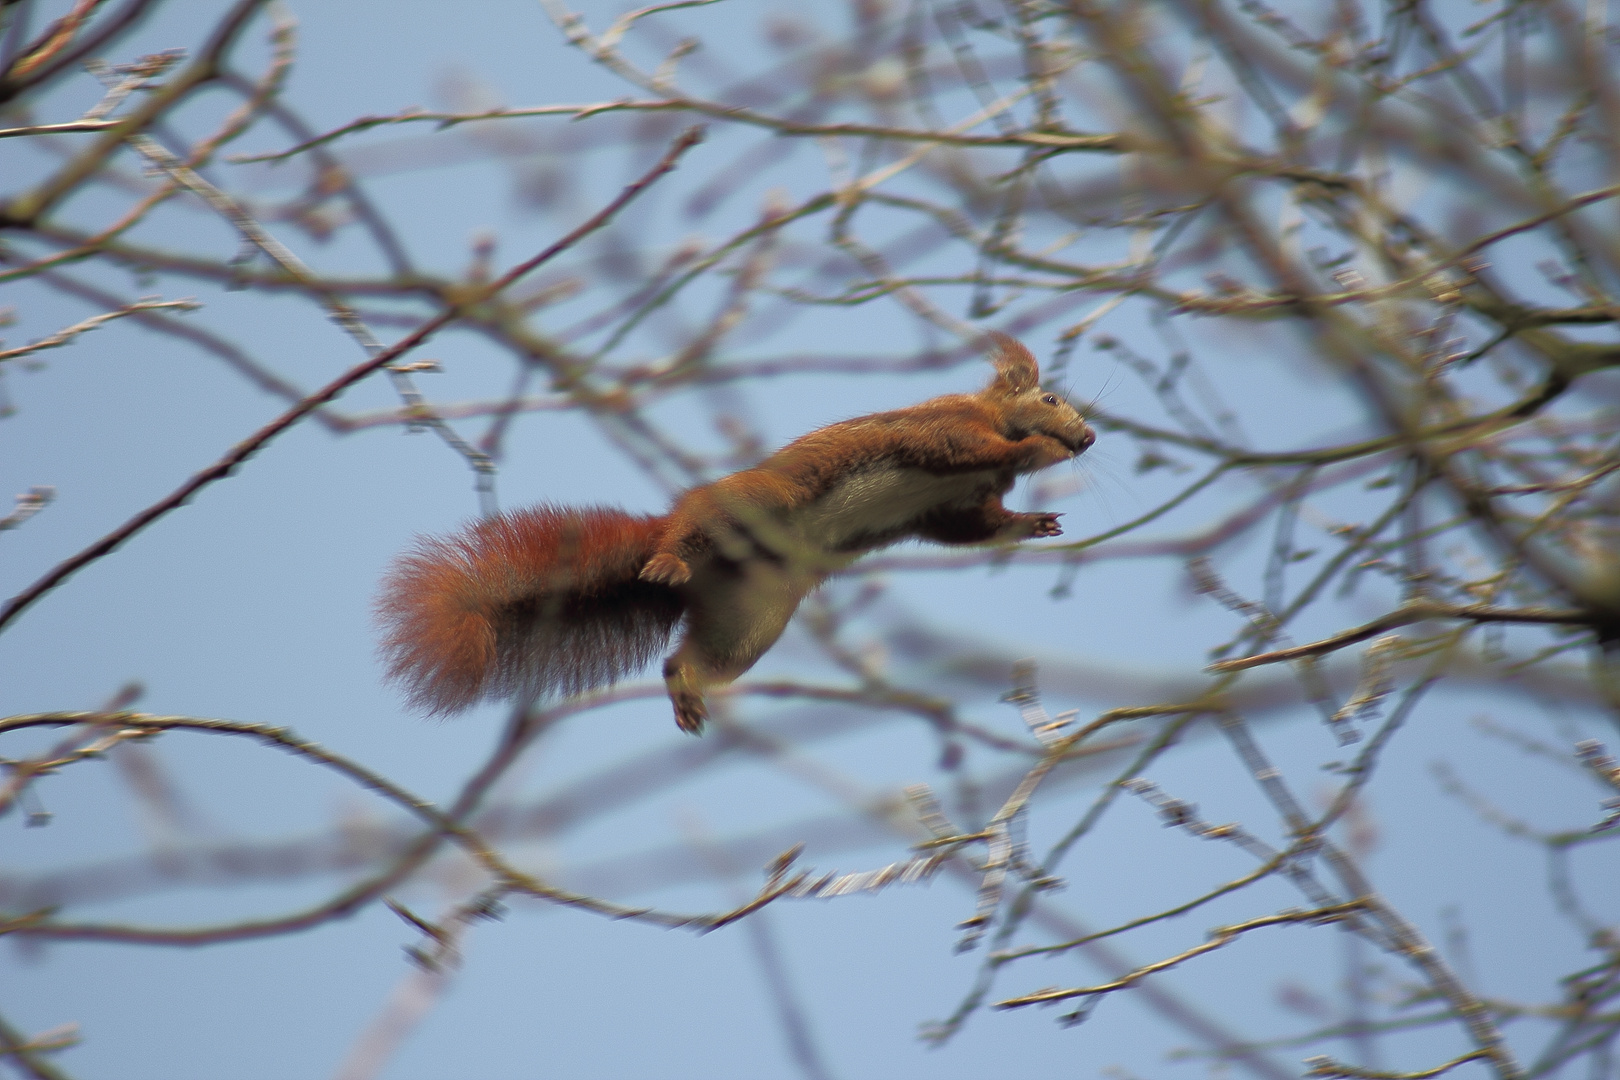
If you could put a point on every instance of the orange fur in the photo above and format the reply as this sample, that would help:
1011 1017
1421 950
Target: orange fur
539 600
557 600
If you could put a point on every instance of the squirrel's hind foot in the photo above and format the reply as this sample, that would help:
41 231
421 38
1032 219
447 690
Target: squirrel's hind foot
666 569
690 711
686 694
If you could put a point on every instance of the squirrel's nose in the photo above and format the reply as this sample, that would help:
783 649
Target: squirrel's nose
1087 437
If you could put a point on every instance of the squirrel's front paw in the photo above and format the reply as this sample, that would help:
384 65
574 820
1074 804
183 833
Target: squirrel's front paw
667 569
690 711
1045 525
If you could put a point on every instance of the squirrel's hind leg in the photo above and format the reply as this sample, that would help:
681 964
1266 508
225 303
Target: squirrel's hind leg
684 539
686 694
736 612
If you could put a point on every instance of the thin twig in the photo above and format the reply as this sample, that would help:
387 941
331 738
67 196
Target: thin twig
259 439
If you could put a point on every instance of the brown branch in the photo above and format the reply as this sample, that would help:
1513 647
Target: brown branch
1047 140
31 208
1422 611
29 503
116 726
257 441
64 336
1219 938
25 1054
1327 1067
105 32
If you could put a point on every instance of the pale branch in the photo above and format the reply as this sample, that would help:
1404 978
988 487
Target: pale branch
1219 938
1418 612
118 726
1025 903
31 208
27 1054
184 174
29 503
1049 140
1264 870
67 334
1385 926
257 441
1013 212
1327 1069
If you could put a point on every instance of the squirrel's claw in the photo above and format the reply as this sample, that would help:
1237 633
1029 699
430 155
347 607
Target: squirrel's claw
1046 525
690 711
666 569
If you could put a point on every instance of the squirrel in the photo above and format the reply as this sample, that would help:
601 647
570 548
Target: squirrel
554 599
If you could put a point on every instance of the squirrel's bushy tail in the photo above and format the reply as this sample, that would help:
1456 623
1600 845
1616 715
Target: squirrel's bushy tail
535 601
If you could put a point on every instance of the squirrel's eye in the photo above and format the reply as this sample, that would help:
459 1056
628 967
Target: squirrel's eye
1050 399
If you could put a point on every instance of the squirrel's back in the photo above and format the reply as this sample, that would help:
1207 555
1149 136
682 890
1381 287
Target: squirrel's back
552 600
534 601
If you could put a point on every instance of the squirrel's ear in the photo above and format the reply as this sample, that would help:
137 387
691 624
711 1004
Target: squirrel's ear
1016 370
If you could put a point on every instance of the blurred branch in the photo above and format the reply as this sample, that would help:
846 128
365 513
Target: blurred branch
27 1054
714 110
29 503
254 443
1406 616
1409 212
1219 939
63 336
1326 1067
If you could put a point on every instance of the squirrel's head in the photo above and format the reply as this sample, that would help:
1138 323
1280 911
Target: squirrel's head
1025 407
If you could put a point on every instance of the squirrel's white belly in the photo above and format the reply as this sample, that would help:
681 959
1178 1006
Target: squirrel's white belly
878 501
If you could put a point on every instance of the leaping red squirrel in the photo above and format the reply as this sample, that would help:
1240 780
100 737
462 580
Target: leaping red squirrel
560 600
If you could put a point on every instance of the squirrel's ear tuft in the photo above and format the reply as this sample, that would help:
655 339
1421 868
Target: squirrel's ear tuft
1016 370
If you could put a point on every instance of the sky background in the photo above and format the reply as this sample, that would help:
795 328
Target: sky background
253 603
